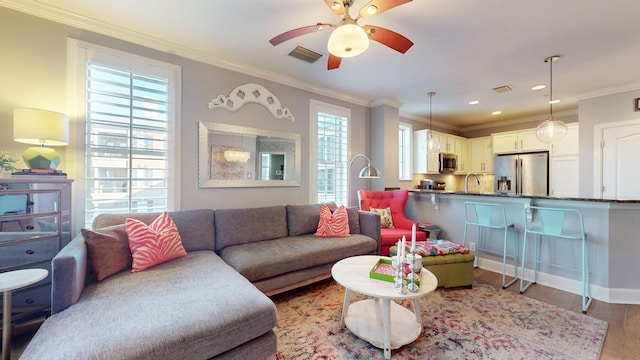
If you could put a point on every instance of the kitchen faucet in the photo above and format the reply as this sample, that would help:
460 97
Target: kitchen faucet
466 182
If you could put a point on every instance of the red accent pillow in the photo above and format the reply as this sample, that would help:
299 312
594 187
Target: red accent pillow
155 243
333 225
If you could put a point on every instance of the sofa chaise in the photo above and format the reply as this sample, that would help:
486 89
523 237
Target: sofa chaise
211 303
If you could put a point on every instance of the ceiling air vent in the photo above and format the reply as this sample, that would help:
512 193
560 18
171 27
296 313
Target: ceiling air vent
305 54
502 89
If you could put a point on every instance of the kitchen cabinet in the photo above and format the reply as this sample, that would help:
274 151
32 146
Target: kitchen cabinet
35 223
517 141
563 176
564 180
568 145
462 151
481 155
423 162
447 143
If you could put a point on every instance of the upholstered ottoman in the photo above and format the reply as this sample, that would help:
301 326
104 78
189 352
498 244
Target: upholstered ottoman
451 270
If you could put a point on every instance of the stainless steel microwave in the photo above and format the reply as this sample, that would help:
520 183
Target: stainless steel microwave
448 163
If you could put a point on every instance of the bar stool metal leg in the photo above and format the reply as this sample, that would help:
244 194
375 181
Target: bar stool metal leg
551 224
491 216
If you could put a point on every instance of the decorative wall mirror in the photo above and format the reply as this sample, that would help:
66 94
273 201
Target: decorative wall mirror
238 156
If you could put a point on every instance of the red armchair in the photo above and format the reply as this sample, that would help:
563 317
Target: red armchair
395 200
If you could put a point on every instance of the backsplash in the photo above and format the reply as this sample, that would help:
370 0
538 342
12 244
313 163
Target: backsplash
456 182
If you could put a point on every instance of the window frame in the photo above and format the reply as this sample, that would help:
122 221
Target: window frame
79 53
405 167
316 107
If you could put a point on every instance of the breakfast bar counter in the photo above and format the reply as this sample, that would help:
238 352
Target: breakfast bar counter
611 226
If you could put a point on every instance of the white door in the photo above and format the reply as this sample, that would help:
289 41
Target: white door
620 173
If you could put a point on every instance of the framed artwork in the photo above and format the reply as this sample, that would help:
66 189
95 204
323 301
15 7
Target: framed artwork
636 104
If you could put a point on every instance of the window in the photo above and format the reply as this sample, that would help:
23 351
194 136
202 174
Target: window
329 153
130 124
404 151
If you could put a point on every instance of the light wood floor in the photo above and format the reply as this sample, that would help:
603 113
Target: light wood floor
623 335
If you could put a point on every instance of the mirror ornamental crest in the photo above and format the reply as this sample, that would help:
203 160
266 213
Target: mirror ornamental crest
251 93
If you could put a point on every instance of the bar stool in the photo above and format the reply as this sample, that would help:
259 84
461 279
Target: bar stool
491 216
551 224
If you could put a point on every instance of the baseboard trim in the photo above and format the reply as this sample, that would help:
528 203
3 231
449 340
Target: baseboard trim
609 295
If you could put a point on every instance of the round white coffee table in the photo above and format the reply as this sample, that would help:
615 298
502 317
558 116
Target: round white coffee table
12 280
380 321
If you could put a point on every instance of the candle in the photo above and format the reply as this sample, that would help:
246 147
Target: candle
403 247
413 237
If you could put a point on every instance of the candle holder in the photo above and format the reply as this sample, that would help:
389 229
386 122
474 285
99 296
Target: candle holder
414 263
398 277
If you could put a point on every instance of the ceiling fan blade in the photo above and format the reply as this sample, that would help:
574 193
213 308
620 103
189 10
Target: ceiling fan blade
288 35
334 62
336 6
389 38
379 6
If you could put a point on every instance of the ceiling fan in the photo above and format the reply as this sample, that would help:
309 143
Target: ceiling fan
349 39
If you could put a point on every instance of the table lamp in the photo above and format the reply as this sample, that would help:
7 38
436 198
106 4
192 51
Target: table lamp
43 128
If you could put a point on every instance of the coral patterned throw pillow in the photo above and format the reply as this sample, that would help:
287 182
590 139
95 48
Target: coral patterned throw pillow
155 243
333 225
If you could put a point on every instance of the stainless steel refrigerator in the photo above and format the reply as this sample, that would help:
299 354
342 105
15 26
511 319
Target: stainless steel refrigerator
522 174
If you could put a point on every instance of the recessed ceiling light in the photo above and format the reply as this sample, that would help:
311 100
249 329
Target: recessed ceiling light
336 5
372 9
474 102
554 101
496 113
538 87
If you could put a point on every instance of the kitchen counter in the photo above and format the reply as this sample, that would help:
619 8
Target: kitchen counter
611 227
473 193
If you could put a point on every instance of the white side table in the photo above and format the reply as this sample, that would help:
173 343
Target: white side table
12 280
374 319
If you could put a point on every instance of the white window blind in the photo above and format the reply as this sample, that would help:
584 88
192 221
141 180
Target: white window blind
127 141
332 157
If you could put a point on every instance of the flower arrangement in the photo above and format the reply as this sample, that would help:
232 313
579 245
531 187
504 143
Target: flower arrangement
6 161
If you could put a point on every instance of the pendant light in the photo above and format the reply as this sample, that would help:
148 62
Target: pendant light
433 143
551 130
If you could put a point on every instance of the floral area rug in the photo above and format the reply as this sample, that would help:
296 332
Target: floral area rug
478 323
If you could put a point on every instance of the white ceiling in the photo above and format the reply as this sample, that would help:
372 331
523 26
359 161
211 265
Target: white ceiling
463 48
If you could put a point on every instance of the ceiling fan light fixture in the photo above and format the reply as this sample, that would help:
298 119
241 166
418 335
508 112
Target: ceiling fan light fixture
348 40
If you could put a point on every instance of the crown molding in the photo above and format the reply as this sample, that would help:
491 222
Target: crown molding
439 124
385 101
608 91
57 15
542 117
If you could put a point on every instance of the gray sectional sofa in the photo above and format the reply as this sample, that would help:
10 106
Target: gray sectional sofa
210 304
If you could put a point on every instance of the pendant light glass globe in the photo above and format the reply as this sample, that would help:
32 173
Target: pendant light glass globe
433 143
550 130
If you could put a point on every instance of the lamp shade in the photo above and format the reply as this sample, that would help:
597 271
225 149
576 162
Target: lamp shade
348 40
40 127
237 156
370 172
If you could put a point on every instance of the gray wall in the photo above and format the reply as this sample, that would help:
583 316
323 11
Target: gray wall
600 110
33 69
